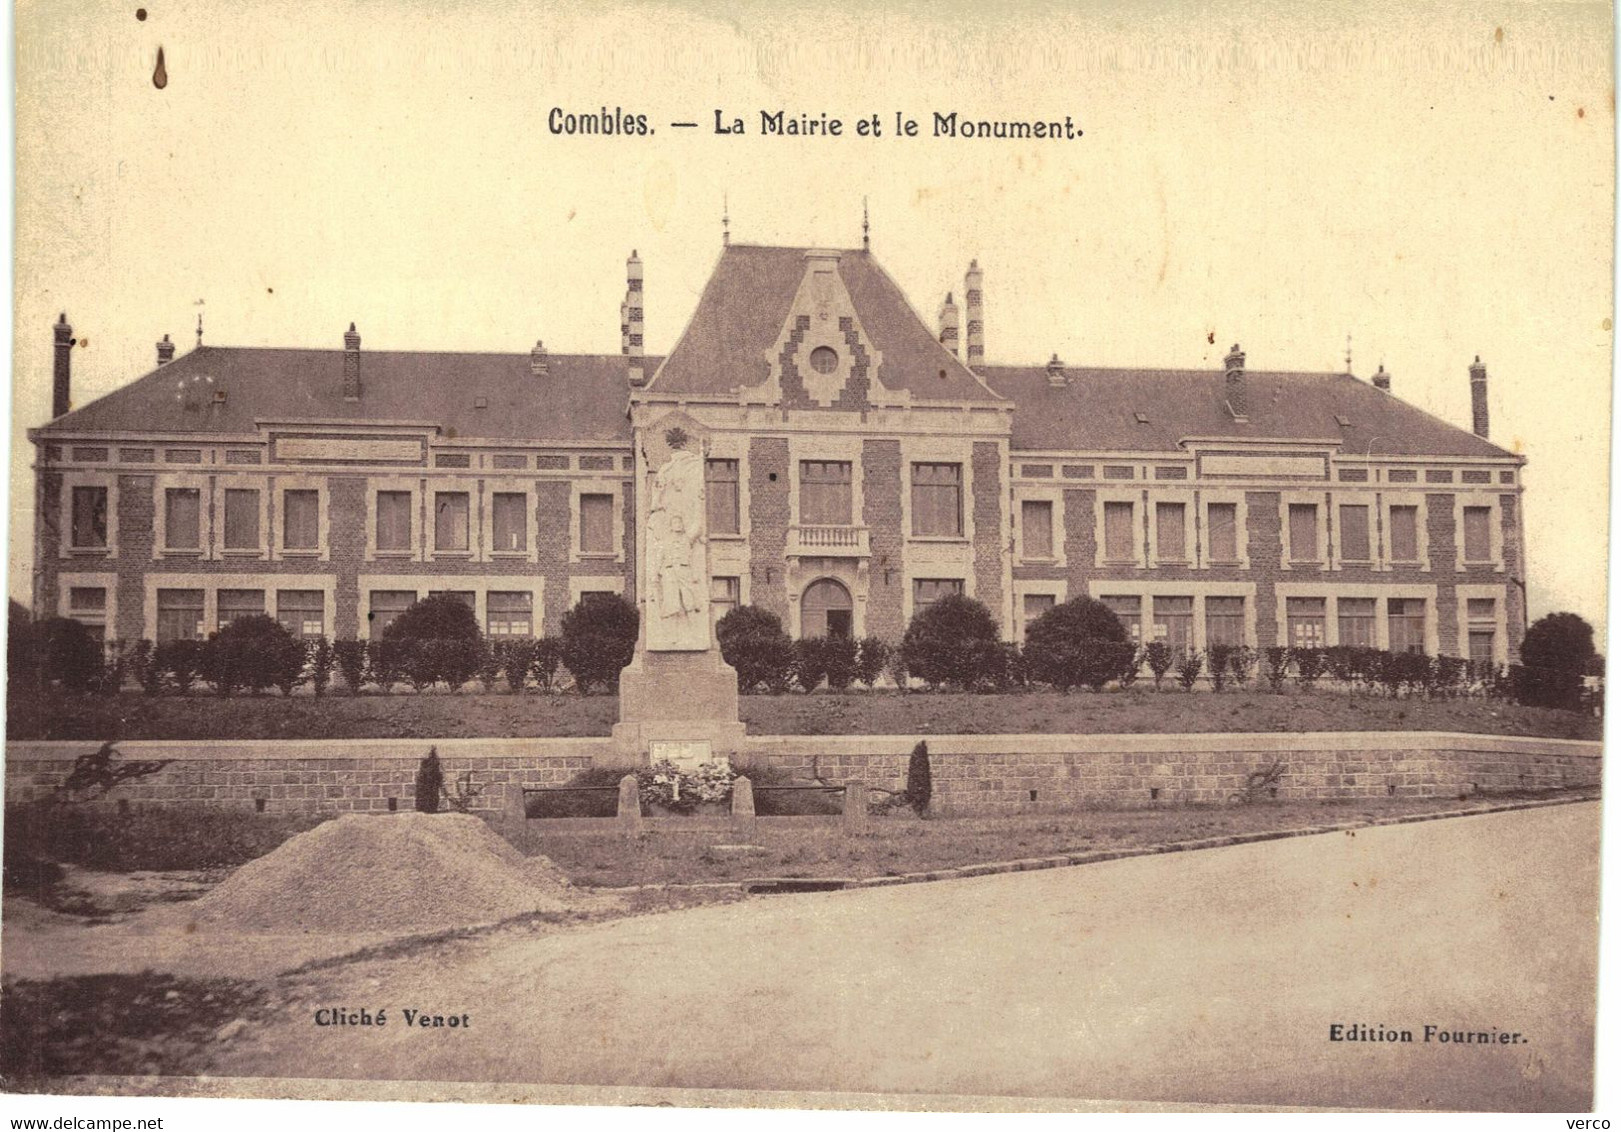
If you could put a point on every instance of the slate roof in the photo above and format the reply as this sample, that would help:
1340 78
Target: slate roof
747 299
1098 410
582 397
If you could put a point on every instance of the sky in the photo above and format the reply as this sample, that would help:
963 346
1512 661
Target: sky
1434 181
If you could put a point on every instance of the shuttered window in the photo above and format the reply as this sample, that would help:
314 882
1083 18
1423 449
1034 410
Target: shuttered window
1119 536
1303 532
180 615
1173 623
1356 617
1407 618
394 521
182 518
450 520
937 500
241 518
303 612
596 524
301 520
1224 620
721 496
1404 534
1036 526
824 493
1223 533
1354 542
90 518
508 511
1170 531
1477 534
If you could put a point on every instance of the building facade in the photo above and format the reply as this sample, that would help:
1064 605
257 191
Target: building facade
860 464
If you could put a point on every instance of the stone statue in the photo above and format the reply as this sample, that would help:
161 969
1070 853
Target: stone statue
677 570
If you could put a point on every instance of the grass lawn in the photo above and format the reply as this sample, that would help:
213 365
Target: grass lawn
440 715
898 845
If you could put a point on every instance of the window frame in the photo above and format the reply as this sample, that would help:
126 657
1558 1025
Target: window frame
323 515
961 533
225 484
1341 559
162 485
1132 497
67 582
579 488
1055 588
1286 502
411 485
1493 503
736 484
1239 501
1420 502
1157 499
108 482
469 549
1054 497
1498 593
492 487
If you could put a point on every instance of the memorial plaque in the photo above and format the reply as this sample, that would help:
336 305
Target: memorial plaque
688 754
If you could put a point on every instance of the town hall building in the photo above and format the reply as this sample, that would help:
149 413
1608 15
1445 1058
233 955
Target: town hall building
859 464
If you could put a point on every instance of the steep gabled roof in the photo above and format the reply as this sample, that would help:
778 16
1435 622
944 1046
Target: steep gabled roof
582 397
748 298
1098 411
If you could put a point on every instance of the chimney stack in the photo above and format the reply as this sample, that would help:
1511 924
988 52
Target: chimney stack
633 317
538 364
62 368
351 364
165 351
1381 380
624 328
1057 376
1238 399
949 324
1477 397
974 286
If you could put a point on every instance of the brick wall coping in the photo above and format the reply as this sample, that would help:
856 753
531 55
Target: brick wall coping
829 745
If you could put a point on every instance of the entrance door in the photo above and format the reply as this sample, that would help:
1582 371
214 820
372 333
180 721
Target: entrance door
825 610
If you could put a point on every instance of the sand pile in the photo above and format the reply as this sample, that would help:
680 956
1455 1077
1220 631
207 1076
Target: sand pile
359 874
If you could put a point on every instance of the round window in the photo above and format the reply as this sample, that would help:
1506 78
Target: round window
824 359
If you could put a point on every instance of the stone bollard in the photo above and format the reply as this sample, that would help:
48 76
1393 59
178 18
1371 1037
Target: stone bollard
516 810
743 819
630 807
855 806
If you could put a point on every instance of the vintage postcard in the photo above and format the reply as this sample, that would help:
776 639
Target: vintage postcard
1023 556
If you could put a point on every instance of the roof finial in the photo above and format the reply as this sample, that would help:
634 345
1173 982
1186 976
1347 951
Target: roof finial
866 238
725 222
1347 353
199 328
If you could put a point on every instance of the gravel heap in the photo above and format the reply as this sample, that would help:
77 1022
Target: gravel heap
361 873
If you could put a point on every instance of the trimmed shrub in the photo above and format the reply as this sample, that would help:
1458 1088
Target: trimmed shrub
872 657
248 653
385 663
1220 662
840 656
1277 666
810 665
320 653
430 783
1310 664
290 659
1187 669
1557 651
548 661
351 661
599 639
181 663
489 666
919 780
1159 656
752 641
515 657
435 618
1080 643
953 642
144 661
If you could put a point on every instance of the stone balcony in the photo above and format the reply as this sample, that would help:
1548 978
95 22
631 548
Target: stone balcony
829 542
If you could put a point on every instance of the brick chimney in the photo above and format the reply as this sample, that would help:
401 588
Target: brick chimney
1477 398
1238 398
62 367
1381 380
950 324
633 317
351 364
538 364
165 351
624 328
974 298
1057 375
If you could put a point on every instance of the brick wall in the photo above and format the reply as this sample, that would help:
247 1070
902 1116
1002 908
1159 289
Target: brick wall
768 516
972 774
881 503
989 547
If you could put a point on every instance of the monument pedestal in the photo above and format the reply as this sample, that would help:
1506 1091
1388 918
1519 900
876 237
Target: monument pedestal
680 706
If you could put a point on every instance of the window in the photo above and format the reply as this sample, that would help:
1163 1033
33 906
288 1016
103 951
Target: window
1173 623
1223 533
1354 542
466 597
303 612
1035 605
596 524
182 518
394 521
1307 619
90 518
1129 609
1356 617
1036 526
508 512
386 605
1406 624
180 615
511 614
1404 533
1477 534
1119 545
824 493
450 521
1170 532
236 604
241 518
1482 615
724 595
301 519
1224 621
927 591
1303 533
88 606
937 500
721 497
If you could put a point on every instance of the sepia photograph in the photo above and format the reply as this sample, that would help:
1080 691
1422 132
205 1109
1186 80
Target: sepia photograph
1039 557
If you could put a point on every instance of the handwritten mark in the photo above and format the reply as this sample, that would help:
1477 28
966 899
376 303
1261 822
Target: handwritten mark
160 77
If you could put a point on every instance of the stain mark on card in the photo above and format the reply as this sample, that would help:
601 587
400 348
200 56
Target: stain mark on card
140 14
160 76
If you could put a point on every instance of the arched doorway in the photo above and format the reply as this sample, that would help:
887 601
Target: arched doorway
825 610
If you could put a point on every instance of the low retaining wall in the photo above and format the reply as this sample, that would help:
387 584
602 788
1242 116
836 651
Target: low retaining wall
973 774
